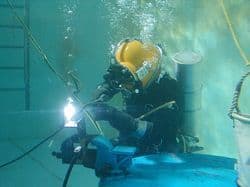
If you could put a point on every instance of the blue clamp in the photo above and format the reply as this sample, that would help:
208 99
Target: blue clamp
112 160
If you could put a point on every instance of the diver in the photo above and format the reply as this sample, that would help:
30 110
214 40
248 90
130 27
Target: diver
136 72
146 125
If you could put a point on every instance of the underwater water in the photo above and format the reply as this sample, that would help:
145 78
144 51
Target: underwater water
68 47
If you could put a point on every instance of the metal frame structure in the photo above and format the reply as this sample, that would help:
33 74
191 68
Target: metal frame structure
26 52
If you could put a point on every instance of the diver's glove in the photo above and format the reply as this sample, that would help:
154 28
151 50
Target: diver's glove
106 90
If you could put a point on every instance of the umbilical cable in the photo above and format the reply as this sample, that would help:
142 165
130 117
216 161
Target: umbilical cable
32 149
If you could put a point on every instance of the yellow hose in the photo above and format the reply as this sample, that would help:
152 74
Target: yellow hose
167 104
236 41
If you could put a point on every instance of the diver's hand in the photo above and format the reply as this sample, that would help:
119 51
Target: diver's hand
103 98
103 93
143 128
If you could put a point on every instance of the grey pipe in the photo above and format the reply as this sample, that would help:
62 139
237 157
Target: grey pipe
188 74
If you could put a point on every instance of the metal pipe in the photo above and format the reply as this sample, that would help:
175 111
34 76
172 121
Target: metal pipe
11 67
27 57
11 26
11 89
14 6
11 46
188 75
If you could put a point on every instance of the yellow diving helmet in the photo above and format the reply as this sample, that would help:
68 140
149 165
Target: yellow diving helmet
142 60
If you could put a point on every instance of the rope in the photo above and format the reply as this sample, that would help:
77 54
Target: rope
235 102
47 61
236 41
34 42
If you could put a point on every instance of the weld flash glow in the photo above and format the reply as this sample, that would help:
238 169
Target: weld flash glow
69 112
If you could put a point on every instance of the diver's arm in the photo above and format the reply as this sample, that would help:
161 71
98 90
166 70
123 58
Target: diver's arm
120 120
106 90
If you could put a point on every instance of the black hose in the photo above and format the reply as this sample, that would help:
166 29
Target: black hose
40 143
66 178
32 149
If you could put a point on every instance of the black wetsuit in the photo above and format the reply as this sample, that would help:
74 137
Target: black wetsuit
162 137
